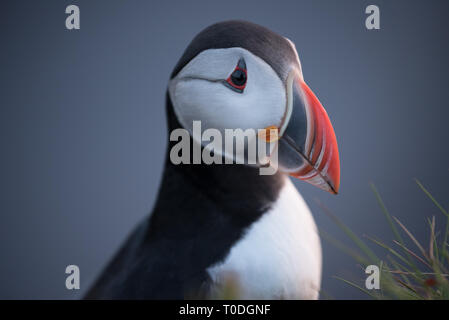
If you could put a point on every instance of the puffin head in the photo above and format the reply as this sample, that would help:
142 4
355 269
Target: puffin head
239 75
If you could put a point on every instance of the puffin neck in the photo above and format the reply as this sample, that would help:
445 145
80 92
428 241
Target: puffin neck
225 182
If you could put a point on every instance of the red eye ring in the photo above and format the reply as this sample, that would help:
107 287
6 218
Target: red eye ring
238 78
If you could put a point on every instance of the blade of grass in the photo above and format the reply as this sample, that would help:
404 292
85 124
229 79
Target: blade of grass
432 236
350 234
398 266
389 284
423 252
345 249
390 222
409 287
357 287
416 273
440 207
424 273
401 282
428 194
382 276
413 254
400 257
386 213
392 251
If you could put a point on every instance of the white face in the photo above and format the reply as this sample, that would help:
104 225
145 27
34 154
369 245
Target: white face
200 92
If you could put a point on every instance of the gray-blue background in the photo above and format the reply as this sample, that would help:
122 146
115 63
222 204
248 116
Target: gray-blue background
83 133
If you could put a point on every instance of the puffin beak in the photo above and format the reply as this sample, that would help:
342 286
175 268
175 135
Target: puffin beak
308 147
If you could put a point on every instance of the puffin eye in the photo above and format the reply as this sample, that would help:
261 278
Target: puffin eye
237 80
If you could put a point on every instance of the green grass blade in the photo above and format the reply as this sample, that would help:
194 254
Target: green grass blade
362 246
423 252
392 251
428 194
440 207
344 248
404 277
386 213
352 284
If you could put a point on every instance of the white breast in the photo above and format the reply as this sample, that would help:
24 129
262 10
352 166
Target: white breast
279 256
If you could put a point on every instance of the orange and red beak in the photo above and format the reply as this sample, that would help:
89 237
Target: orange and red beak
308 147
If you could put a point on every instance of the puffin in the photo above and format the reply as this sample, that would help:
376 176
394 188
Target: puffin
225 230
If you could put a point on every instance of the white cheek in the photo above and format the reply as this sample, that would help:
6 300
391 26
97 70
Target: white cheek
262 104
264 95
215 105
199 94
